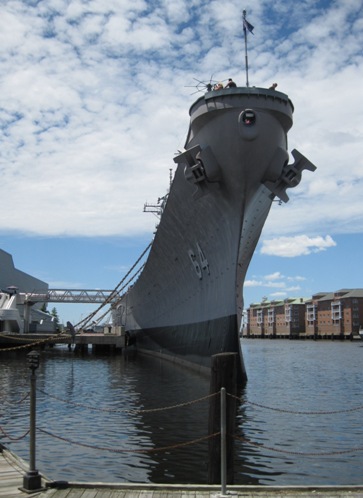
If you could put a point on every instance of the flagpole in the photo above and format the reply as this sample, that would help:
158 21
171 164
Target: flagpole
246 56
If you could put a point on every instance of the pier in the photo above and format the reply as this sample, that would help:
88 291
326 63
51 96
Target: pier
99 342
12 469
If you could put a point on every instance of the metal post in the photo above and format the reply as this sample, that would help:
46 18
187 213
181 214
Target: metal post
223 443
32 480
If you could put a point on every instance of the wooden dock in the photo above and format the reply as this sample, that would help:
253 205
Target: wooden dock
12 469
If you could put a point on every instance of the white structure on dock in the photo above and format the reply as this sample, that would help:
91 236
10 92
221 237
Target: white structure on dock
22 297
14 312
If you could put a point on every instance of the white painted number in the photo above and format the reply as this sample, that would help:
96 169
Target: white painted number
203 260
200 265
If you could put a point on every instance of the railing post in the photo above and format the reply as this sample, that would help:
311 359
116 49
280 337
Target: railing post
32 480
223 375
223 443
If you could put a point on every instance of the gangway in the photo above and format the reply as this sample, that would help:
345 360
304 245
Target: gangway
68 296
89 296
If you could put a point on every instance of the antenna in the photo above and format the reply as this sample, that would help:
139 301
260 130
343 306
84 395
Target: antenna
202 86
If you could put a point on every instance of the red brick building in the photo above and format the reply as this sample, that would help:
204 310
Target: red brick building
276 318
325 315
335 314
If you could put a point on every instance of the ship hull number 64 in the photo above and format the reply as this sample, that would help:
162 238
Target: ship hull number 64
199 261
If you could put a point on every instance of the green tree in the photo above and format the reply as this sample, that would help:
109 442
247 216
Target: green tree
54 313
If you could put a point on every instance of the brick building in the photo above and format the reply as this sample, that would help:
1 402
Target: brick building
335 314
325 315
276 318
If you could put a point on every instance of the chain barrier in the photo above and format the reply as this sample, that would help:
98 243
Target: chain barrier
132 411
130 450
297 453
140 411
284 410
13 438
5 402
187 443
52 338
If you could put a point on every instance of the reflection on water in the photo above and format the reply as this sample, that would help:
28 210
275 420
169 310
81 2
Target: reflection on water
93 398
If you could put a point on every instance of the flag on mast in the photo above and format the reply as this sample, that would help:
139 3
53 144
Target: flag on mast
247 26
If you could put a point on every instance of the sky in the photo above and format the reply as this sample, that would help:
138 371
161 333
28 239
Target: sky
94 100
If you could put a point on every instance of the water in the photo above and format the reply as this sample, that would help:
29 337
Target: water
93 398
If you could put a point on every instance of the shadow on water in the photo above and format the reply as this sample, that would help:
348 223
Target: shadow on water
171 386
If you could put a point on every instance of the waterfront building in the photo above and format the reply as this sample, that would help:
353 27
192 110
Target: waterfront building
14 284
285 318
330 315
335 314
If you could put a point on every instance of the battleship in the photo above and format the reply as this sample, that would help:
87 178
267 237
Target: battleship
187 302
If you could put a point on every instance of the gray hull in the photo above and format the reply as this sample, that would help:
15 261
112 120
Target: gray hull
187 302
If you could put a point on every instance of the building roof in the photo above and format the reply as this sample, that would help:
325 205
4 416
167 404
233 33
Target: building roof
342 294
319 296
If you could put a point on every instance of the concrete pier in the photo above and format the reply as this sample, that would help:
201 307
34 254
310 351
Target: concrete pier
98 341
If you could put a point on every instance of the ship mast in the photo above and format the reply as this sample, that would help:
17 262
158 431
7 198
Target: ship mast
249 27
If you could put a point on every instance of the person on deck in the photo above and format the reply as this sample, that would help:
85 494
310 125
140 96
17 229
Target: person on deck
218 86
230 84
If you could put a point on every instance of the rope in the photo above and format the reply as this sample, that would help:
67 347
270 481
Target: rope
129 450
13 438
86 320
52 338
283 410
26 396
132 412
299 453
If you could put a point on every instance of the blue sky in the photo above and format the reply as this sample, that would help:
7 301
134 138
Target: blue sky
94 100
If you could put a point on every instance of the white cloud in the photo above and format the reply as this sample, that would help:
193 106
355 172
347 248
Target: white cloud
274 276
94 102
275 280
299 245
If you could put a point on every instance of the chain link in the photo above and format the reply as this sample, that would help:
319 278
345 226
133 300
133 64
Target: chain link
130 450
25 397
133 411
296 412
34 343
14 438
299 453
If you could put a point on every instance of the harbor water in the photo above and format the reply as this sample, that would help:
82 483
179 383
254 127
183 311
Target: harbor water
136 419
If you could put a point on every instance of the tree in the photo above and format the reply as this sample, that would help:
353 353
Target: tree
54 313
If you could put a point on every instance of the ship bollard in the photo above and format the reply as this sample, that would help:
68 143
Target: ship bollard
32 480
